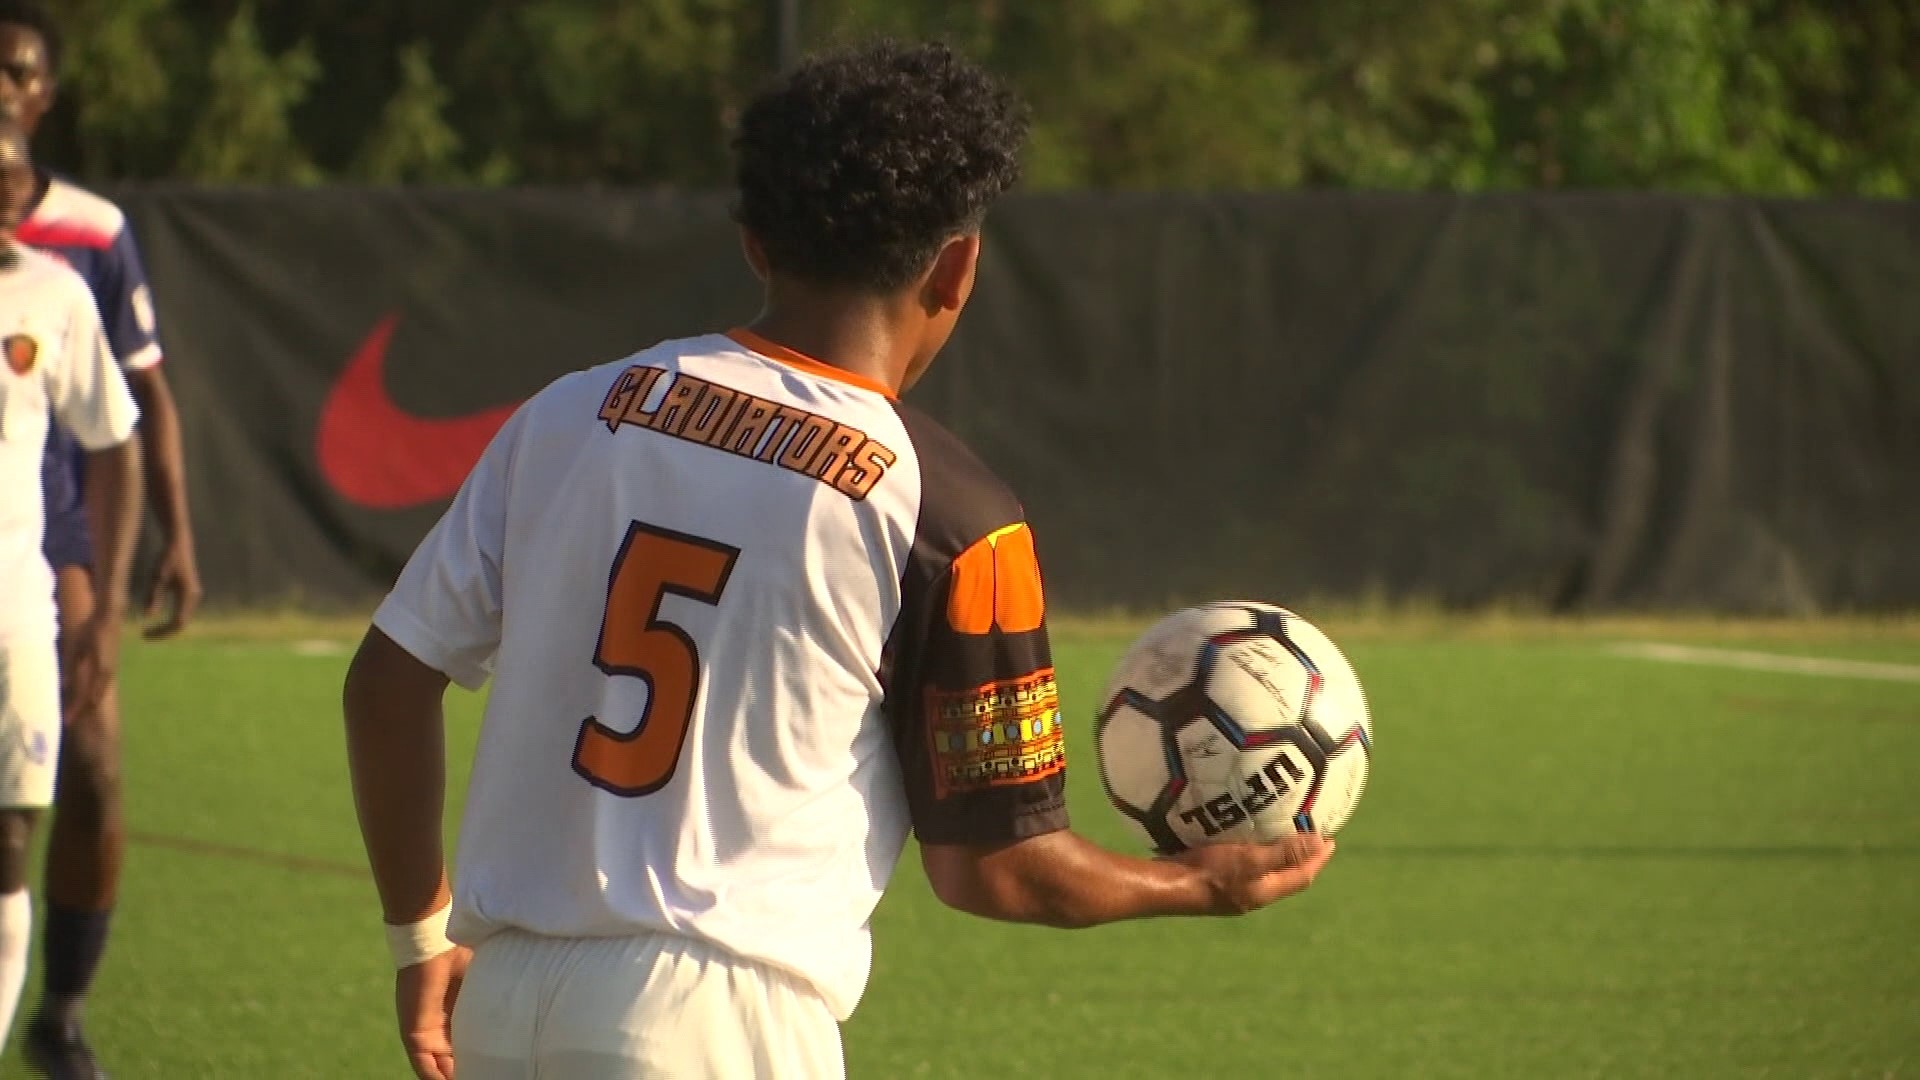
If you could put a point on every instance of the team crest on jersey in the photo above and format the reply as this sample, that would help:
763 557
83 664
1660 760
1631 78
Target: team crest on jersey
22 352
1002 733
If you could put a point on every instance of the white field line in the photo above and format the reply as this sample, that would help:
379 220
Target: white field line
318 647
314 647
1764 661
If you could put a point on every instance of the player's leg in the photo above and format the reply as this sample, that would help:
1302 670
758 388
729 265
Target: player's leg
29 743
16 909
88 838
84 846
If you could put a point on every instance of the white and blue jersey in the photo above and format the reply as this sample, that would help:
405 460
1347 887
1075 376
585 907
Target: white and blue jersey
89 234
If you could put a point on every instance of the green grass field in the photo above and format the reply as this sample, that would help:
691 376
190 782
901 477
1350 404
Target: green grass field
1569 863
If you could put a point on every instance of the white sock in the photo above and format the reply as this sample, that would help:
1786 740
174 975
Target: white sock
16 945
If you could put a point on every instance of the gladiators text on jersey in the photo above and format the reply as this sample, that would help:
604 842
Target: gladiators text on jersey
842 457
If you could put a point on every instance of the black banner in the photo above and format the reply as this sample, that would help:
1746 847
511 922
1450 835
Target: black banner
1583 401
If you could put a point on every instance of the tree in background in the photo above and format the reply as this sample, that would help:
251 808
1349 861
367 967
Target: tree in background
1776 96
242 130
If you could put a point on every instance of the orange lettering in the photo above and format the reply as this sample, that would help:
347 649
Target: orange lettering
618 395
857 478
809 439
626 395
677 406
637 412
708 415
727 417
838 455
786 419
837 451
744 437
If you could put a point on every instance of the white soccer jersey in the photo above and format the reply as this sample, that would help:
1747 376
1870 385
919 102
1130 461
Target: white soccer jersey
56 362
90 234
748 621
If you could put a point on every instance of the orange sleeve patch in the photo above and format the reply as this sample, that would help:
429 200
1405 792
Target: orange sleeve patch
1018 604
996 583
970 603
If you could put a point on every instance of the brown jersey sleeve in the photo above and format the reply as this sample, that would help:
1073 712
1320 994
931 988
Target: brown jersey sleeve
968 669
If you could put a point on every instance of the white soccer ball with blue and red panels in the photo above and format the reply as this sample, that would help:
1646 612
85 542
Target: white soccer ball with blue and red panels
1233 721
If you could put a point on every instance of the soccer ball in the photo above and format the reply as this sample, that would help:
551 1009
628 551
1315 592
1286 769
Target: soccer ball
1233 721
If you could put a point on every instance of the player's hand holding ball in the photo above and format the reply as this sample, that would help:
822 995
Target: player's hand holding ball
1235 737
1248 877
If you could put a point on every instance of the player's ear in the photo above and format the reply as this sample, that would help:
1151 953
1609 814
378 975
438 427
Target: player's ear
756 254
950 281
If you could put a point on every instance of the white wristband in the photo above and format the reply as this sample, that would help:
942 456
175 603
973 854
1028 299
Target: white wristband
416 943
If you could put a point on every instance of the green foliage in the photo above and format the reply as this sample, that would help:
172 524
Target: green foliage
582 90
412 141
1774 96
117 88
243 132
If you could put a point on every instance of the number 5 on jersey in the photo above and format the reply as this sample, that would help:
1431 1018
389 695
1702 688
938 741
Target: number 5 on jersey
634 640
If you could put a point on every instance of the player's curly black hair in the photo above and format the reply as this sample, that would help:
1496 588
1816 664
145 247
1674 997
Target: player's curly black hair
859 164
33 15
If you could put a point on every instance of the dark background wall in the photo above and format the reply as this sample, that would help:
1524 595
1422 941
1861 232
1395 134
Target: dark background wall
1583 401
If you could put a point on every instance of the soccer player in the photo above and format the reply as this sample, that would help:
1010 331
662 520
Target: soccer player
56 363
749 620
85 849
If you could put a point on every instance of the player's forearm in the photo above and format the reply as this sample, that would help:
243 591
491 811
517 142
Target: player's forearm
396 753
1063 880
113 514
162 450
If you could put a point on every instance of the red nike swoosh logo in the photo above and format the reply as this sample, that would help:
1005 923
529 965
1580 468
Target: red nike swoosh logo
375 454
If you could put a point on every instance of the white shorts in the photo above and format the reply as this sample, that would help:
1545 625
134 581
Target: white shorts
636 1008
29 722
